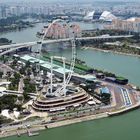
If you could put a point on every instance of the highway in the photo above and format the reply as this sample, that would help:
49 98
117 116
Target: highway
104 37
13 47
134 46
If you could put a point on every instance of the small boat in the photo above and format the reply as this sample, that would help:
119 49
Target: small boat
105 51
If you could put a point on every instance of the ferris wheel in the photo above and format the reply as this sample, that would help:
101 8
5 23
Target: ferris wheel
67 79
60 29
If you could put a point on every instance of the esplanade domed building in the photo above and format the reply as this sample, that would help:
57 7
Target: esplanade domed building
100 16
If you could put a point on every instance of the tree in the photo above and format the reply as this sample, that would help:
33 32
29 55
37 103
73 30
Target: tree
1 73
14 81
26 96
15 62
8 102
29 87
27 64
17 76
22 70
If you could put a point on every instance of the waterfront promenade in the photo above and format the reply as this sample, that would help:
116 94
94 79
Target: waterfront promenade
37 127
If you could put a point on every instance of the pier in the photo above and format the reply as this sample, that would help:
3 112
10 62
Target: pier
30 134
18 134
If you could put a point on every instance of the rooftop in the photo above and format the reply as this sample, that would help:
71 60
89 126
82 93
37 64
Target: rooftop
45 64
105 90
2 89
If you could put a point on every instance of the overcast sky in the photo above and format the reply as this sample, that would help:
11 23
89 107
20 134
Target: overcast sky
62 0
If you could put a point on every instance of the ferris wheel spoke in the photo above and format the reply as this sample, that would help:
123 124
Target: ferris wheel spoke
62 33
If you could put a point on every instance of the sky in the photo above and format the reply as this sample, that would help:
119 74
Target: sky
62 0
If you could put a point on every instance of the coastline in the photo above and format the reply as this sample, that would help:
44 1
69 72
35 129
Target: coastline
68 122
77 120
109 51
17 28
21 131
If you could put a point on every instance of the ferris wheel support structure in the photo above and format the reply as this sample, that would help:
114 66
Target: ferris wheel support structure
67 79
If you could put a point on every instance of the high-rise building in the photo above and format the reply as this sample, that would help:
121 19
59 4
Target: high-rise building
0 13
3 11
131 24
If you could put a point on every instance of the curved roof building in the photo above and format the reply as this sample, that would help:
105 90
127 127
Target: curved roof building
89 15
105 16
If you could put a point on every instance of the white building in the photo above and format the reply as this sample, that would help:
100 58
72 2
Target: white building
107 16
103 16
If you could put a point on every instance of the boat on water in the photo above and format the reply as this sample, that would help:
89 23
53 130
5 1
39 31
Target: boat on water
105 51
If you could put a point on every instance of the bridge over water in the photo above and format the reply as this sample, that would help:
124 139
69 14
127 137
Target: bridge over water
12 47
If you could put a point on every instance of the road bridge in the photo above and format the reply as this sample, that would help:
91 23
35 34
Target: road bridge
12 47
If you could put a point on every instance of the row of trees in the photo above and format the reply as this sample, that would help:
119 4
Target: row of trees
12 23
122 48
1 73
9 102
5 41
13 20
14 81
28 88
4 120
98 32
